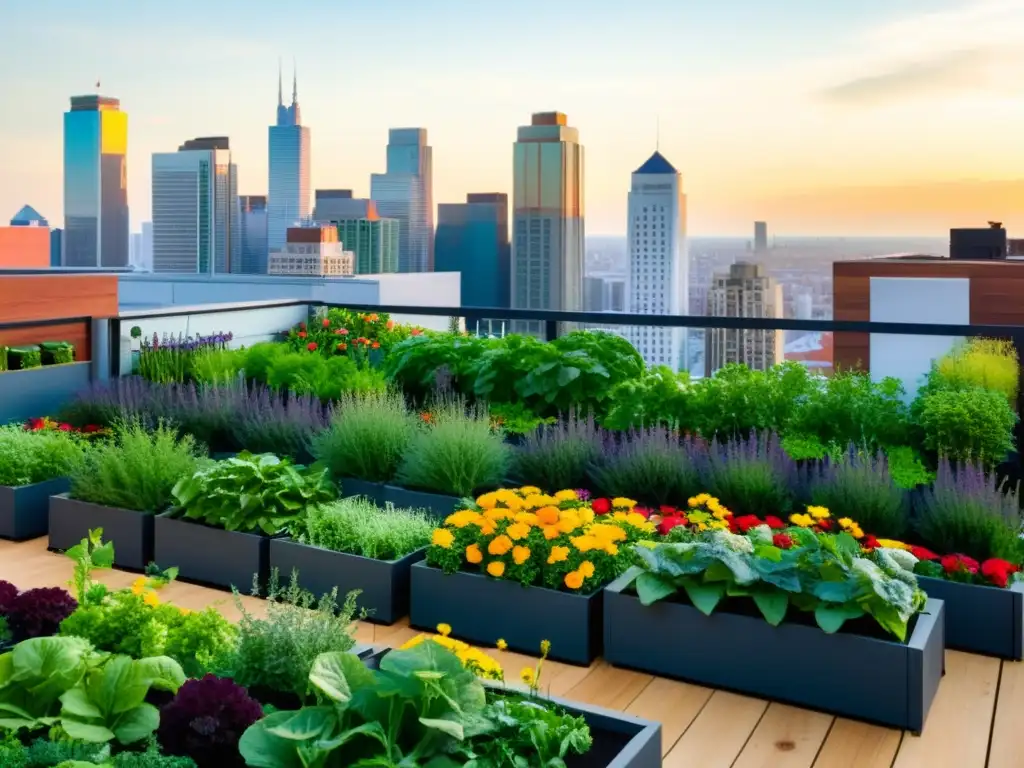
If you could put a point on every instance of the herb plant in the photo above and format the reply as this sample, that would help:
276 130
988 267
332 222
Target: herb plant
660 396
737 401
34 457
987 363
752 476
359 527
859 486
654 464
966 424
558 455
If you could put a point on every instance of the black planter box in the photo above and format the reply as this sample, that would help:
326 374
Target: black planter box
880 681
25 509
351 486
619 740
384 584
482 610
211 556
437 505
981 619
130 532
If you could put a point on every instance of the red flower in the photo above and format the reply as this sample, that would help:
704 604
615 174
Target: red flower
35 424
642 511
64 427
311 346
667 511
774 523
601 506
870 542
342 347
415 332
668 523
326 323
390 324
998 571
302 326
427 417
959 564
782 540
923 554
342 331
375 345
825 525
302 334
746 522
90 428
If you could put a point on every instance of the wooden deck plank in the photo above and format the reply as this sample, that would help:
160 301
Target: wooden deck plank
607 686
858 745
718 735
786 737
673 704
1005 749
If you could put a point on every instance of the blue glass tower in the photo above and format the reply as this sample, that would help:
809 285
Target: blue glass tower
288 187
472 239
406 193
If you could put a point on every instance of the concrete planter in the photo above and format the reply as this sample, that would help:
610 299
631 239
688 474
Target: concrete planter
211 556
25 509
981 619
437 505
351 486
481 610
130 532
37 391
383 584
886 682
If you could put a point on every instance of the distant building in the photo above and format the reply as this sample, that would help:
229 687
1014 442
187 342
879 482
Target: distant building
760 236
24 247
744 291
372 238
56 247
1015 247
288 189
27 216
336 204
593 294
406 193
311 252
95 183
978 244
615 295
253 234
472 239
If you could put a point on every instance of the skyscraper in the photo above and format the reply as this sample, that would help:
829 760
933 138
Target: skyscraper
744 291
472 239
547 219
658 262
195 209
253 234
95 183
406 192
288 189
760 236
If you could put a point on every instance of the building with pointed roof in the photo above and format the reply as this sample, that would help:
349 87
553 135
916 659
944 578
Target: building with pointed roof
27 216
289 168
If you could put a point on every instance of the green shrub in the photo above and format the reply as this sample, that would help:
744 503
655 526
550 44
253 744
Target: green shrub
652 465
413 364
457 454
907 469
860 487
660 397
987 363
257 359
21 358
558 456
214 365
357 526
367 438
137 469
752 476
516 418
966 424
57 352
737 401
32 457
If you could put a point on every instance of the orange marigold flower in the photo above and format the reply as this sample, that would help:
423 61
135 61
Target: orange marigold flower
547 515
574 580
499 545
520 554
496 568
473 554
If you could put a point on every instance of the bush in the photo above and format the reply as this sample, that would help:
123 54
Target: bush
967 424
660 397
137 469
22 358
268 422
357 526
907 469
860 487
258 359
987 363
753 476
653 465
457 454
967 512
214 365
367 437
737 401
205 720
556 457
33 457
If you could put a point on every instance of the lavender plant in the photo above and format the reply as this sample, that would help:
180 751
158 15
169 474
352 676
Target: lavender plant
271 422
557 456
751 476
171 358
860 486
656 466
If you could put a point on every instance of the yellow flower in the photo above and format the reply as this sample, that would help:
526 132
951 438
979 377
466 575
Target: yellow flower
444 629
586 569
518 531
487 501
548 515
473 554
566 495
804 521
184 611
462 518
443 537
496 568
606 532
550 532
528 676
585 543
502 645
487 528
892 544
527 518
499 545
845 522
520 554
574 580
151 599
529 490
558 554
856 532
699 500
819 513
569 522
611 549
538 500
620 502
139 586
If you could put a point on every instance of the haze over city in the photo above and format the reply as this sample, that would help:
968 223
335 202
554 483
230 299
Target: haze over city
866 118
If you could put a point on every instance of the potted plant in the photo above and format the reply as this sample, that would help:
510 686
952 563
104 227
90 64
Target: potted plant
57 352
120 486
354 545
24 357
527 567
218 530
33 466
740 599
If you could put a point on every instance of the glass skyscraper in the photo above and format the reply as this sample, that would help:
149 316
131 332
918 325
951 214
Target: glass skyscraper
472 239
288 189
253 234
547 220
95 183
406 193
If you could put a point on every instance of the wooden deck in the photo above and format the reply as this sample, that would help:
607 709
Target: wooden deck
972 722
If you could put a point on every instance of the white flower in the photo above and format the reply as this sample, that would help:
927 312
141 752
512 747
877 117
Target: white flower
900 557
762 534
734 542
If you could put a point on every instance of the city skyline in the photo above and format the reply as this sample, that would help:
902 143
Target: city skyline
809 118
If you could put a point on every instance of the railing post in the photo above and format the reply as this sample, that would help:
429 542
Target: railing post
112 333
550 330
99 349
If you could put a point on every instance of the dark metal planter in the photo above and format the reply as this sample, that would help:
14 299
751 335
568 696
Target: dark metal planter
38 391
130 532
437 505
482 610
383 584
981 619
885 681
211 556
25 509
351 486
619 740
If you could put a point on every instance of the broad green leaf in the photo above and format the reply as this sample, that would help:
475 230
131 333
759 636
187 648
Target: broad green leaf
832 617
705 597
137 724
76 702
306 723
773 604
261 749
650 588
834 591
95 734
449 727
160 672
328 676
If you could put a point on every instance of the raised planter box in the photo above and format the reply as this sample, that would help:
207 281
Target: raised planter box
383 584
25 509
211 556
435 504
130 532
482 610
351 486
619 740
36 391
885 681
981 619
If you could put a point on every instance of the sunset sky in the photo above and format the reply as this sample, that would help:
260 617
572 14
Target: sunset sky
851 117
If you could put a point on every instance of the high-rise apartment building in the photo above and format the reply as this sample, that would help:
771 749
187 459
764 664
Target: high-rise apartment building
744 291
95 183
26 242
56 247
547 217
658 259
253 234
472 239
195 209
760 236
373 238
288 189
406 193
311 252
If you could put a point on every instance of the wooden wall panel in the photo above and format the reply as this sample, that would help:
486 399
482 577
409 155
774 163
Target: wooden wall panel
851 300
78 334
45 297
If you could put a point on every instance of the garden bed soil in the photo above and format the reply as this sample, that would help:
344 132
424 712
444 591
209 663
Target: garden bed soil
25 509
878 680
979 618
383 584
211 556
130 532
437 505
351 486
481 610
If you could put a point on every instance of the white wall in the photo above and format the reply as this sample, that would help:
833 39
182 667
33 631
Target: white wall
421 289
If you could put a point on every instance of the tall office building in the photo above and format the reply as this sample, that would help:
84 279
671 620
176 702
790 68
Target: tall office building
252 232
56 247
195 209
288 189
744 291
472 239
406 192
372 238
95 183
547 218
658 259
311 251
760 236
